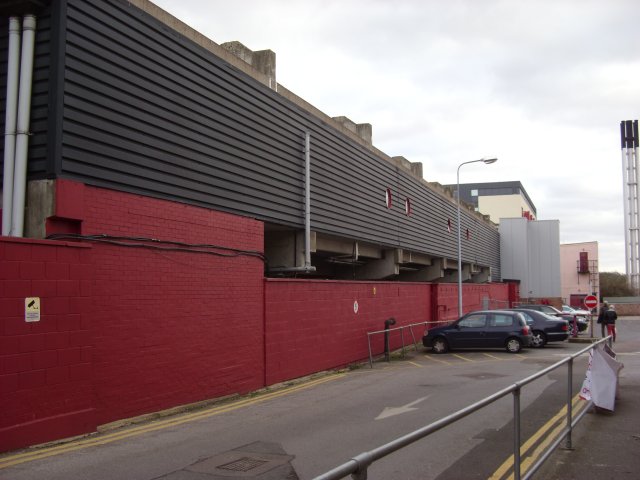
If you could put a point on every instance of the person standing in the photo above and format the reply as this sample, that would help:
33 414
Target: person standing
610 318
603 308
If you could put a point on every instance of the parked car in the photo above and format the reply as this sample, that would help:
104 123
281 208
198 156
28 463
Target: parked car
481 329
545 328
575 311
553 311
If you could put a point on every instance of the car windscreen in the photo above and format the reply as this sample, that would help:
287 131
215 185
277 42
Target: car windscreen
478 320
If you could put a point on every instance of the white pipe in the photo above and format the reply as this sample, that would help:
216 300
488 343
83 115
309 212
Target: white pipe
13 69
635 258
307 200
22 138
627 233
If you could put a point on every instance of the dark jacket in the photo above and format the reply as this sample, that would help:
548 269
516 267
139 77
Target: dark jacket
610 317
603 310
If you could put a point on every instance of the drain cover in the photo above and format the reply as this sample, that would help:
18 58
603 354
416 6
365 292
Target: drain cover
243 464
240 463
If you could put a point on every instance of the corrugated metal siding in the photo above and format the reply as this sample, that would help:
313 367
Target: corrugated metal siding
148 111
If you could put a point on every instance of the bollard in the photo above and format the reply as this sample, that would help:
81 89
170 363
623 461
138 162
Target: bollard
575 327
387 324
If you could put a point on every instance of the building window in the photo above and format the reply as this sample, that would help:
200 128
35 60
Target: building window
407 206
474 193
388 197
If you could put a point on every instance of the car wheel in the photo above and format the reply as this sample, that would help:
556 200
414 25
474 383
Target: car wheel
439 345
539 339
513 345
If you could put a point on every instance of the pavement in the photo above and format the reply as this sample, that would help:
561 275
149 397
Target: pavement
606 444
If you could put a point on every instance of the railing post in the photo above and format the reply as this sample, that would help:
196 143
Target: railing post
363 461
370 354
516 433
569 401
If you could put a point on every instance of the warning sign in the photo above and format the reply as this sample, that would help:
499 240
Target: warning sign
32 309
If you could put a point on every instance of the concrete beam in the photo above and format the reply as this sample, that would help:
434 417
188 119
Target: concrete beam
452 276
483 275
430 273
386 267
286 249
417 258
345 246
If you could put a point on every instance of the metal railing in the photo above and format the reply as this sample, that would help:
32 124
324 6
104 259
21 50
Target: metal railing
358 465
401 330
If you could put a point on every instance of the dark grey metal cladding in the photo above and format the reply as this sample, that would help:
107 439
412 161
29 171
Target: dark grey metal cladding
427 228
148 111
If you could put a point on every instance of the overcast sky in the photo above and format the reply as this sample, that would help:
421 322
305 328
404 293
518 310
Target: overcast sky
542 85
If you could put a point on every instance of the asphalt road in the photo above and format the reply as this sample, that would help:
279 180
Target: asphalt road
307 428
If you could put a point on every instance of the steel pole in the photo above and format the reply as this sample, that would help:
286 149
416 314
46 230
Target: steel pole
459 244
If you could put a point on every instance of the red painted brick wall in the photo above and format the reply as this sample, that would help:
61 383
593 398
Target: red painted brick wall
445 298
312 326
46 374
127 331
171 328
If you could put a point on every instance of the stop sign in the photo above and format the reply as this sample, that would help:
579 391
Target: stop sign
590 301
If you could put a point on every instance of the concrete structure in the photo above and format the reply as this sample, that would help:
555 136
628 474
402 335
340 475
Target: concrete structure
579 272
631 191
498 199
530 252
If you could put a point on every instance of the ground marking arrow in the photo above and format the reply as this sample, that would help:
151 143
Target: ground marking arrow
392 411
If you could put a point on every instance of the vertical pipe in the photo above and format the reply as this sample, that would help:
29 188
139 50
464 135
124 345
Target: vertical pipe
307 200
13 68
632 149
569 401
635 234
22 138
459 246
516 434
625 196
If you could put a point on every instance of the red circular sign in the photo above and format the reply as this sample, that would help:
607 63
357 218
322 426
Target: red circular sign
590 301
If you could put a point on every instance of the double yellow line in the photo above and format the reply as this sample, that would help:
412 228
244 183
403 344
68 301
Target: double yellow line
551 432
100 439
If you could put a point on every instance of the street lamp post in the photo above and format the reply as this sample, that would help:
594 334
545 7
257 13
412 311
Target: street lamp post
486 160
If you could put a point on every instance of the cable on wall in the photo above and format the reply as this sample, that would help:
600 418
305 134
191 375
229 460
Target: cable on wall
163 245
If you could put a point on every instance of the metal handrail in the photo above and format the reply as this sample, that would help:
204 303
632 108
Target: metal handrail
401 328
358 465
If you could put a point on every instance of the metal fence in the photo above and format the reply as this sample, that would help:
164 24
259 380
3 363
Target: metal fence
401 330
357 466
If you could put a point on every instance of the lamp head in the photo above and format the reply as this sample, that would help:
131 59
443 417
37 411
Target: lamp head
489 160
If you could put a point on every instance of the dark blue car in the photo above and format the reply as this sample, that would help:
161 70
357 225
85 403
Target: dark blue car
481 329
545 328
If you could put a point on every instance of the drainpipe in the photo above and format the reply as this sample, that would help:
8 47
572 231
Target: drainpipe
13 69
22 134
307 215
307 201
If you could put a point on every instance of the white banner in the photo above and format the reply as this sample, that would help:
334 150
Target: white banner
601 380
